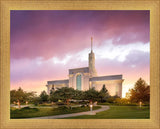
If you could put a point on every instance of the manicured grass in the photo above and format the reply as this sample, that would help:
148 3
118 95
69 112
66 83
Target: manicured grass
119 112
38 112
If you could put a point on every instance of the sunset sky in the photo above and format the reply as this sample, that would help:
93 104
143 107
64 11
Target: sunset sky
45 44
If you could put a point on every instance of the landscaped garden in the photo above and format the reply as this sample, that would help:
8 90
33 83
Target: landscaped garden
67 100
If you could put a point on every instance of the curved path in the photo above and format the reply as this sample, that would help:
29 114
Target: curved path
103 108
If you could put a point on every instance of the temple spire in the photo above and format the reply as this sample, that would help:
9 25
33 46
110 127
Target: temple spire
92 69
91 43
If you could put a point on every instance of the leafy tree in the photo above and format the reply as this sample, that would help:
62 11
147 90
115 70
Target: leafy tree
127 95
54 97
21 96
78 95
37 100
13 96
44 97
64 94
91 95
140 92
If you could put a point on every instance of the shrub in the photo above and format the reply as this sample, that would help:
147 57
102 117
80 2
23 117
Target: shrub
28 109
83 102
60 103
110 100
24 110
83 106
63 107
45 104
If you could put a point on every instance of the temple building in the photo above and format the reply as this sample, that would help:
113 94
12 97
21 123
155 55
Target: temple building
86 77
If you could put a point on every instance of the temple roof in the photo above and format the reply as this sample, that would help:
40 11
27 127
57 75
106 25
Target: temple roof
75 70
105 78
57 82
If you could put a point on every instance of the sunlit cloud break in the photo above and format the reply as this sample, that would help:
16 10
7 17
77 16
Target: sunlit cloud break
119 52
108 51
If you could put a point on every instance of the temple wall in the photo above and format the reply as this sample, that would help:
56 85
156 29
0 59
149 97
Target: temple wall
71 81
114 87
49 87
84 80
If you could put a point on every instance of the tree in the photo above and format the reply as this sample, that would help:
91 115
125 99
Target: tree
103 94
64 94
104 90
78 95
13 96
52 89
91 95
30 96
21 96
53 97
36 100
140 92
44 97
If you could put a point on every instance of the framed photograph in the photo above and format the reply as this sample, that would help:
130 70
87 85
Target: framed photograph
79 64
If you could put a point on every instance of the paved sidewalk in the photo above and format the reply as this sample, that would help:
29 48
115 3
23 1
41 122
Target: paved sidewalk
103 108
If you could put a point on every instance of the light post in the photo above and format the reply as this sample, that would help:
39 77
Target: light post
19 106
91 112
26 102
140 104
91 107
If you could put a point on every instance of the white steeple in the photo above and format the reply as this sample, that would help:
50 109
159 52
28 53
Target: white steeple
92 69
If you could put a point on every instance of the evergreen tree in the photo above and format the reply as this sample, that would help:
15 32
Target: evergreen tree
103 94
44 97
104 90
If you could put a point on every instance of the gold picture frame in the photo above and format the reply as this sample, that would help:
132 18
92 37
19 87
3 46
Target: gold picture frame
7 5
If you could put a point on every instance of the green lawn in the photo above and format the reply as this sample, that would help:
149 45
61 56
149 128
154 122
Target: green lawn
119 112
115 112
38 112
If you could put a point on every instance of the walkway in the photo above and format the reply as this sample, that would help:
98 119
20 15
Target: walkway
103 108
